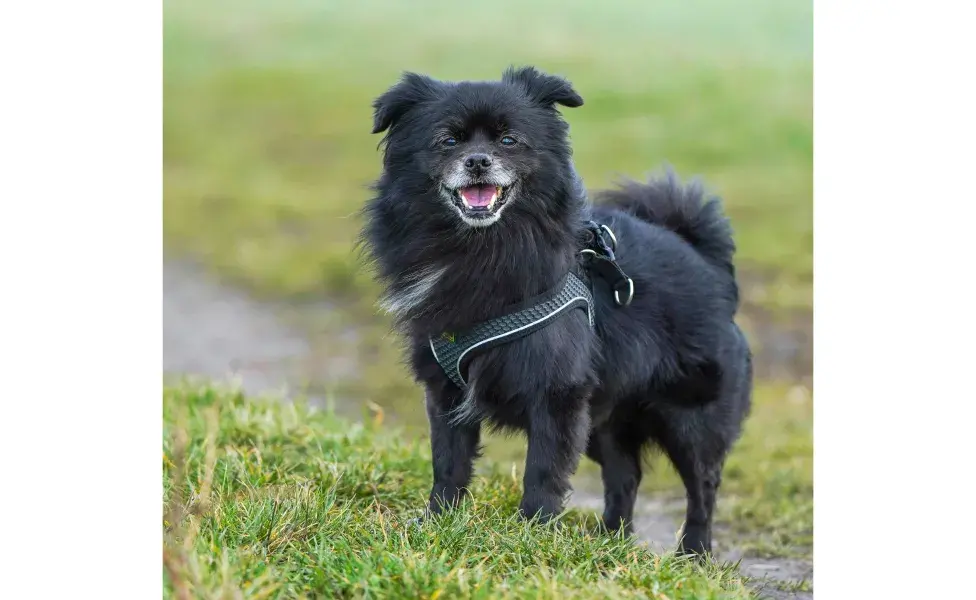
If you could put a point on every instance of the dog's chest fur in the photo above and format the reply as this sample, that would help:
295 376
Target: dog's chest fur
413 292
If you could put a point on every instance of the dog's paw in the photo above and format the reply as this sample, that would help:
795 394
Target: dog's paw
617 526
696 544
539 512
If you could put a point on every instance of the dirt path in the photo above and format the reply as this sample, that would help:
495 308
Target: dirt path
216 332
658 523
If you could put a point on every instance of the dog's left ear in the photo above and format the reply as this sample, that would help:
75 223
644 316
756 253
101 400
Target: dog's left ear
544 89
411 90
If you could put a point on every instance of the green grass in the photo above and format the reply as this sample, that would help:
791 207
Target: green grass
267 499
267 118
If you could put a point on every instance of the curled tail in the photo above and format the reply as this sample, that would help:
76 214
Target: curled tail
683 209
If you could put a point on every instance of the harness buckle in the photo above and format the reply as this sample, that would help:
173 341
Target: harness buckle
600 258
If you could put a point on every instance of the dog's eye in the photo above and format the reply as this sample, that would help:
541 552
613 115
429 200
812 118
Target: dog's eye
449 142
508 141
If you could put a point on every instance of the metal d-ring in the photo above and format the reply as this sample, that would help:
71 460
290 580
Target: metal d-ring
630 293
587 252
613 238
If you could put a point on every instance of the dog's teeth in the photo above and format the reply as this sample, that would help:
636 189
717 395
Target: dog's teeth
494 197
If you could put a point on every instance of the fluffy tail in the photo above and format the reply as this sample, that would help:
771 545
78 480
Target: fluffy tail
681 208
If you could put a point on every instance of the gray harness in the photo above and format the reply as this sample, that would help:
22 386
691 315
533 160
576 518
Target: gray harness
452 350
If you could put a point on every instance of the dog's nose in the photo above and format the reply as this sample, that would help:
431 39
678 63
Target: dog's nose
476 162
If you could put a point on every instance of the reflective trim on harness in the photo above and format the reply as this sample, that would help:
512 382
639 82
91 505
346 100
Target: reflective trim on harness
450 350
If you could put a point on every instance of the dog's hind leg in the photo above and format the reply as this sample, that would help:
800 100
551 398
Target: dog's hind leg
454 448
619 459
698 454
698 439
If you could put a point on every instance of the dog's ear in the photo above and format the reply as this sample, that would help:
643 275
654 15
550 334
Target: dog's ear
408 92
542 88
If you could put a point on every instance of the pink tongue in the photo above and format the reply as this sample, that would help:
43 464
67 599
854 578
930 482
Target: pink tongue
478 195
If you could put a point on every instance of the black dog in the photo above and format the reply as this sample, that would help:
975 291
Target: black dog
478 211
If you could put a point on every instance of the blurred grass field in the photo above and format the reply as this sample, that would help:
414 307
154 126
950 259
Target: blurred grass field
268 155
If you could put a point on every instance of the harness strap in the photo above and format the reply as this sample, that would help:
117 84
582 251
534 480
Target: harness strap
452 350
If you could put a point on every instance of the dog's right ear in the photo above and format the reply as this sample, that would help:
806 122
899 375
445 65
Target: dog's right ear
411 90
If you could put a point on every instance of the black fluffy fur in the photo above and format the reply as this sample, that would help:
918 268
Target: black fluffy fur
672 369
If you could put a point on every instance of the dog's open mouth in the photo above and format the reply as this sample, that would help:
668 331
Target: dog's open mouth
479 201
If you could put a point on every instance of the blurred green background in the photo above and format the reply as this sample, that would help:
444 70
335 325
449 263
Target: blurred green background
267 116
268 155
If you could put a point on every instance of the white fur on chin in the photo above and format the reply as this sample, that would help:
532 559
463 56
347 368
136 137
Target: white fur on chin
491 220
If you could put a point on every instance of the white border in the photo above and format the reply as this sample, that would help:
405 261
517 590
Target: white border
81 308
894 416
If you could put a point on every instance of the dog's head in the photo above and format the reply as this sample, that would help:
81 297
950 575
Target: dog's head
482 146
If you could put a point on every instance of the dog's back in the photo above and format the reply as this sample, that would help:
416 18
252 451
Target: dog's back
677 246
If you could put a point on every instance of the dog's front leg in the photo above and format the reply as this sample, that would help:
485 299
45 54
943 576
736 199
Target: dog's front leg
558 430
454 448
